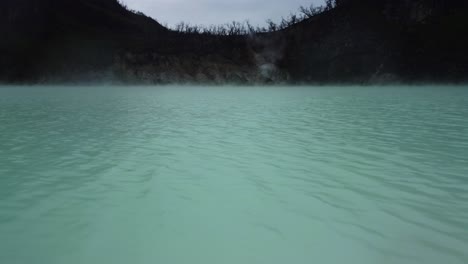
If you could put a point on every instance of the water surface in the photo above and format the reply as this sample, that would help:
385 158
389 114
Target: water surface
233 175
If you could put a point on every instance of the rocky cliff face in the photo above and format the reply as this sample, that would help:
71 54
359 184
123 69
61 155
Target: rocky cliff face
356 42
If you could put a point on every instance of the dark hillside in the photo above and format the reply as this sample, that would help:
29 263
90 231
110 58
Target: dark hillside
357 41
381 41
39 37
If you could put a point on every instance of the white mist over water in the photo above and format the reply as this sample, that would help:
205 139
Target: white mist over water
234 175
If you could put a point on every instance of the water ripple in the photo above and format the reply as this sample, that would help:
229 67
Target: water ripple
234 175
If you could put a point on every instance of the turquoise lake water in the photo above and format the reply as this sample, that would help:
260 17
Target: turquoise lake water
176 175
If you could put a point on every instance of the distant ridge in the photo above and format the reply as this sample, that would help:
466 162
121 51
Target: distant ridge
358 41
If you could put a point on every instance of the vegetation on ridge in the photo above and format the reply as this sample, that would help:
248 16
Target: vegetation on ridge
246 28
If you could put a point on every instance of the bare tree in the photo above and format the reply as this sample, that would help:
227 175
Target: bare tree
330 4
271 25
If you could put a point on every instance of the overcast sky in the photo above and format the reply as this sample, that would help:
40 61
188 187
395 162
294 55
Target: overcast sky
217 11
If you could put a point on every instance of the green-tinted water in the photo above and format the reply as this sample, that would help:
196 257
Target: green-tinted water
234 175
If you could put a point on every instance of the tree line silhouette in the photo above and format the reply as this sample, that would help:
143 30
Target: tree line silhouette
236 28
